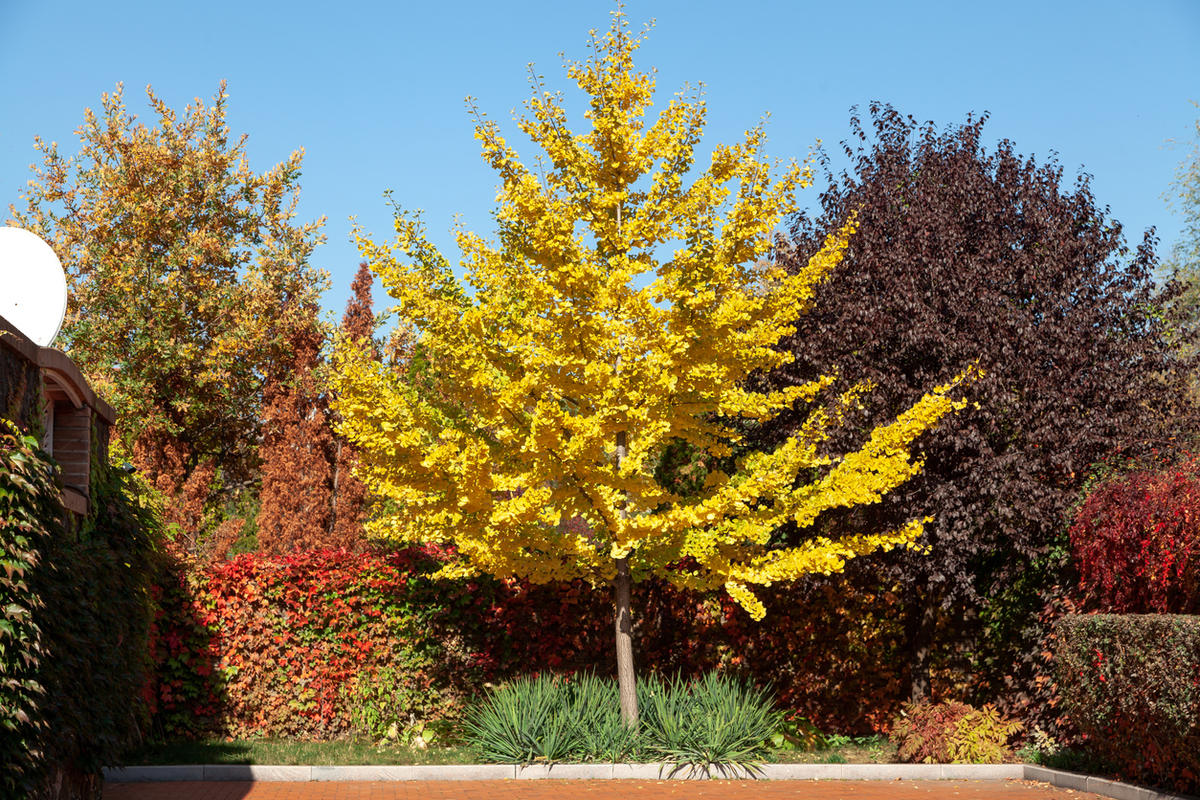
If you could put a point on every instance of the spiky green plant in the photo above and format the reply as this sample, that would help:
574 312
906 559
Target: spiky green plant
717 723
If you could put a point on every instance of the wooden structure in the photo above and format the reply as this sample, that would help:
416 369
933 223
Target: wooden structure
41 388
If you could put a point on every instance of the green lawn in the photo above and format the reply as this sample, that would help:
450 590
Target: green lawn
287 752
842 750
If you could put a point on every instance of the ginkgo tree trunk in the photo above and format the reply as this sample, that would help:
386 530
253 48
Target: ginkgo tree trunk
555 378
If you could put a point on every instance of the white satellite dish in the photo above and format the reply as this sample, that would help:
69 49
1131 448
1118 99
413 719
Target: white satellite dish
33 286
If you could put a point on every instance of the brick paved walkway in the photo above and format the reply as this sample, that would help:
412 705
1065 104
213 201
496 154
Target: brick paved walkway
594 790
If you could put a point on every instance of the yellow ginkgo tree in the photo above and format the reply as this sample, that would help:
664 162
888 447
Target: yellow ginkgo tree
618 311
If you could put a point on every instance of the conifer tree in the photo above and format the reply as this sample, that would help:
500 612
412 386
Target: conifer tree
549 392
349 494
297 446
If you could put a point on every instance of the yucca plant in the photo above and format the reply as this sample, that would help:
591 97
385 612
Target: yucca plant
524 721
601 733
716 722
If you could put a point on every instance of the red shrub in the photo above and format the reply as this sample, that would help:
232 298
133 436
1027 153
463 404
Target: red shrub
278 645
275 645
1136 541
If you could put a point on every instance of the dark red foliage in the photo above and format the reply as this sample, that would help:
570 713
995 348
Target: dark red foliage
965 255
1136 541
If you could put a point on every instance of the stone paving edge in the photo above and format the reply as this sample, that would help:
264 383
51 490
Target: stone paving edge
793 772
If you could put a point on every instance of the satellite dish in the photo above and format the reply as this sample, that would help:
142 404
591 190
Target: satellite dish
34 294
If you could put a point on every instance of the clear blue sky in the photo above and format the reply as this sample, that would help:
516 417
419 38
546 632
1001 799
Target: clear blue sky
374 90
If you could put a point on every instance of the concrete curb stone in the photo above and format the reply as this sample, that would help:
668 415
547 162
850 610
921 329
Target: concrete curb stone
148 774
423 772
255 772
468 772
640 772
982 772
1101 786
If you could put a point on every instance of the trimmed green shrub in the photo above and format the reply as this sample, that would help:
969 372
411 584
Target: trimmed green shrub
1131 685
952 733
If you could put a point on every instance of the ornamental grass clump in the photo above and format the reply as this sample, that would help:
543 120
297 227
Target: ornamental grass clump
716 722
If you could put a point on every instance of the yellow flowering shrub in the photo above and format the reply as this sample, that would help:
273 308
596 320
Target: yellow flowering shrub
620 307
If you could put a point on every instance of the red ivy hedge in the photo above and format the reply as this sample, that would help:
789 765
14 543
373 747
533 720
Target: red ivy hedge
1136 540
277 645
281 645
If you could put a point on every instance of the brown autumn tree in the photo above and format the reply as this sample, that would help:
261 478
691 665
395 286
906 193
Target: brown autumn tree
966 253
297 446
349 494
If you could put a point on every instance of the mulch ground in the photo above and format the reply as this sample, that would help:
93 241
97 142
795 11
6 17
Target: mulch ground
593 790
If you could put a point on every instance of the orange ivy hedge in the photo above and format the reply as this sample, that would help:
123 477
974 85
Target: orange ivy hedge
291 645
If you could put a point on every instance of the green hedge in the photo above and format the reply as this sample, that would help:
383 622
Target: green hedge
74 623
1131 683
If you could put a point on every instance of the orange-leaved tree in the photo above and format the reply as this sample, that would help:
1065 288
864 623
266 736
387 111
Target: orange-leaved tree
180 259
549 392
